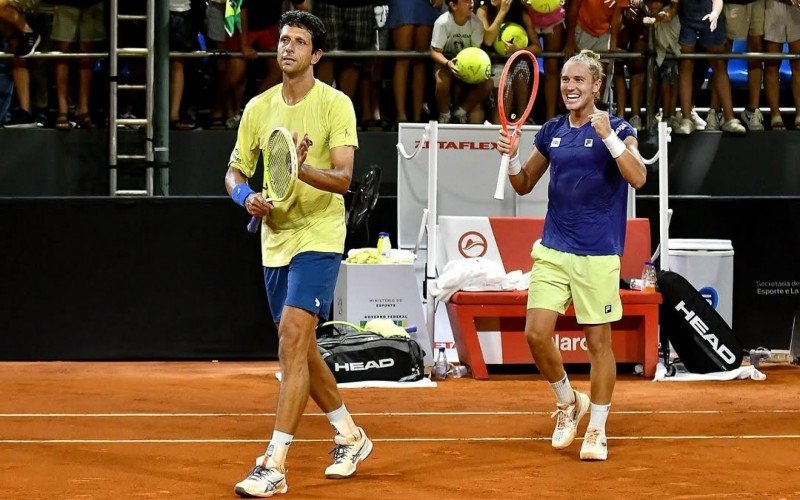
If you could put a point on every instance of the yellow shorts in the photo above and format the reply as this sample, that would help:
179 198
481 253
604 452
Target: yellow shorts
591 282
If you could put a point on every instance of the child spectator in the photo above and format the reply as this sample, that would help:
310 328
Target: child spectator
81 22
552 30
182 38
631 37
666 32
453 31
782 25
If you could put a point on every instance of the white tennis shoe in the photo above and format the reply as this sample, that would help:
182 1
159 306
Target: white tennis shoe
262 482
349 450
568 416
595 445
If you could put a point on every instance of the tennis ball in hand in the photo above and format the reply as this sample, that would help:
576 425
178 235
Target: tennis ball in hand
473 65
510 33
545 6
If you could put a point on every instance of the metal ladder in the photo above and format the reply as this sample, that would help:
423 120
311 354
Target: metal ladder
114 54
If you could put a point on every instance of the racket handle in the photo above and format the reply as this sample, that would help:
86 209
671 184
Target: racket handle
254 224
499 192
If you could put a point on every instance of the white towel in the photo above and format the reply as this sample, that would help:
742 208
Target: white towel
741 373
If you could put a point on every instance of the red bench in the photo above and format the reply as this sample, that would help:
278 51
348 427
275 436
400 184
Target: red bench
635 336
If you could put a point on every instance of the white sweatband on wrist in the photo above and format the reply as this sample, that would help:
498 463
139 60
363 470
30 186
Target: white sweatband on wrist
514 166
615 145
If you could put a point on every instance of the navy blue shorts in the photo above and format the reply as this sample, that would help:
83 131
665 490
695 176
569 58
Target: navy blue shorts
694 32
306 283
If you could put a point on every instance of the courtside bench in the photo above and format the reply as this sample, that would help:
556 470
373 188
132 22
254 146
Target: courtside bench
490 325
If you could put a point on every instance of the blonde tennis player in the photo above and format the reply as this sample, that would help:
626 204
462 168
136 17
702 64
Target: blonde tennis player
302 243
592 160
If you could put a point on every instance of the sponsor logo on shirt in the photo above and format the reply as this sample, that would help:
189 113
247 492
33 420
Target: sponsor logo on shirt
555 142
620 127
588 143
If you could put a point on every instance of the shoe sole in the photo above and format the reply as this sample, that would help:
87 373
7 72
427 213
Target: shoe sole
593 457
244 494
33 49
361 458
581 414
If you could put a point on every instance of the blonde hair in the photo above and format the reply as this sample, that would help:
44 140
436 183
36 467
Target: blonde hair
592 60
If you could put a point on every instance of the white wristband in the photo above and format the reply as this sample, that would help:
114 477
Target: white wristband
514 166
615 145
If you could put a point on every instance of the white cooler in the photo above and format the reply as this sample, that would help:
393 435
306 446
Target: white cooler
708 266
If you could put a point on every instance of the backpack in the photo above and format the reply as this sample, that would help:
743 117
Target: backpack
356 355
703 340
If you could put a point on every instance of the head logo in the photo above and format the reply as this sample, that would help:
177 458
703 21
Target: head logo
711 295
472 244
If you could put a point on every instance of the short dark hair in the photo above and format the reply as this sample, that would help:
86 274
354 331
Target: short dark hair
307 21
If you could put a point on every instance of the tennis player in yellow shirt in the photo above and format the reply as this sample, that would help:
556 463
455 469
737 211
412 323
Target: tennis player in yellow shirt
302 242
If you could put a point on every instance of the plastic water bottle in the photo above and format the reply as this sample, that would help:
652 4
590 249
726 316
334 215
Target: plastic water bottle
440 366
384 245
457 371
649 277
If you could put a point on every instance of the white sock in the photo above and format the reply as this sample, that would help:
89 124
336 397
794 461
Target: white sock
278 448
598 417
563 390
341 420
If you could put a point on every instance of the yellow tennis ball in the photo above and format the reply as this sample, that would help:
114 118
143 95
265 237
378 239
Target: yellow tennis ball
510 33
545 6
473 65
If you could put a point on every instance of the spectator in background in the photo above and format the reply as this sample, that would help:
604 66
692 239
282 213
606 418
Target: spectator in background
259 33
630 37
411 22
351 26
182 38
13 12
589 27
372 78
19 81
666 31
701 24
551 28
744 19
453 31
782 25
81 21
493 15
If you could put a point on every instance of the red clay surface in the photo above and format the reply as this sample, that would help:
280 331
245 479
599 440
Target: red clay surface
481 439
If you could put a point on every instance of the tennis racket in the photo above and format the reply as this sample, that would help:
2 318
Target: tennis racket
280 170
516 94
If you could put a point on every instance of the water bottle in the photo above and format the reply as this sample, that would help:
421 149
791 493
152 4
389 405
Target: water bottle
384 245
440 366
457 371
649 277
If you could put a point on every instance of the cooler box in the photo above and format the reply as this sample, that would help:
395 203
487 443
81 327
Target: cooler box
708 266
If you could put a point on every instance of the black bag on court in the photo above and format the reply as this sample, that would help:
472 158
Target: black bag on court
702 339
355 355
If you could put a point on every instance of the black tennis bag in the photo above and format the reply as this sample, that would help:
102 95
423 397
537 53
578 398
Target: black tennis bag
356 356
702 339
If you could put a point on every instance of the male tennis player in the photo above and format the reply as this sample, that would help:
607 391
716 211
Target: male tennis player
592 159
302 241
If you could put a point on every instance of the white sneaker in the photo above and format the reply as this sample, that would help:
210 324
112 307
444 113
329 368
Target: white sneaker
685 127
699 123
595 445
712 120
459 116
349 450
754 120
568 416
734 126
636 123
262 482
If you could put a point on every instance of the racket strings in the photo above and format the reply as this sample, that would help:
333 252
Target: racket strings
279 165
517 90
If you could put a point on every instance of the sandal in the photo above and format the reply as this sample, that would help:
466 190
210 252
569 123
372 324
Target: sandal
777 123
62 122
83 120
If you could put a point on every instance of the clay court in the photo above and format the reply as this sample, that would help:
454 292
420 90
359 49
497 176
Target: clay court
191 430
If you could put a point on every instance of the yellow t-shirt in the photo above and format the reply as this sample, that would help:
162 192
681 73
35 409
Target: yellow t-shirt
310 219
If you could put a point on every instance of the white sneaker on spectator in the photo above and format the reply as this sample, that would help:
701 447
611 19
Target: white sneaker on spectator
459 116
699 123
673 122
712 120
685 127
444 117
734 126
636 122
753 120
233 122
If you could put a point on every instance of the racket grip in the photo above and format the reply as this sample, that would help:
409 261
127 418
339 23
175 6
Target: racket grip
254 224
499 192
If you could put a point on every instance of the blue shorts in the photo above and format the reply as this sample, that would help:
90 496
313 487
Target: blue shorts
416 12
698 32
306 283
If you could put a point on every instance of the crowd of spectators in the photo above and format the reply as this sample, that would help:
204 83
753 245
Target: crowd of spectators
386 91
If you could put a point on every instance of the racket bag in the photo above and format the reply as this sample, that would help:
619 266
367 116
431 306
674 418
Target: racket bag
357 356
703 340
